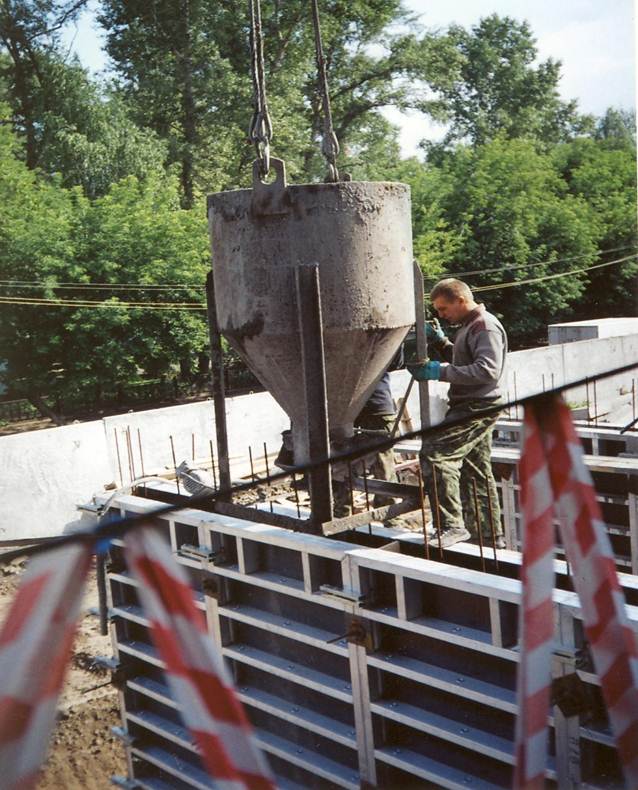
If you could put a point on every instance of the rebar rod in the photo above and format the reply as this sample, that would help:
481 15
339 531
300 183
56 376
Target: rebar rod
479 534
422 502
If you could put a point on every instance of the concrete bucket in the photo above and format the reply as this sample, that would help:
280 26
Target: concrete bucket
359 234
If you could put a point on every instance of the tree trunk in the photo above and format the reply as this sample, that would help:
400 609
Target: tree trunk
189 120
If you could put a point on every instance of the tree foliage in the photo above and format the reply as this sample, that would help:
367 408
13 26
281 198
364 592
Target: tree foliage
499 88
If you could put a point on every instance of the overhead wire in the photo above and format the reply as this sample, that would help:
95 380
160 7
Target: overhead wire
11 283
543 278
534 264
116 528
103 303
199 306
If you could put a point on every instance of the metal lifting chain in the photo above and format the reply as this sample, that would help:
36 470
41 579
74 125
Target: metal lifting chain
329 144
260 132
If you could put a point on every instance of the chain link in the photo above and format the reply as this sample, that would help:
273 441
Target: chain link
260 131
329 143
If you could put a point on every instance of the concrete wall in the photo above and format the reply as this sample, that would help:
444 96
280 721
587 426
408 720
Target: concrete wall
589 330
46 473
252 419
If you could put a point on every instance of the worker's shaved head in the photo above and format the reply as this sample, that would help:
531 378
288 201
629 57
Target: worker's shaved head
451 289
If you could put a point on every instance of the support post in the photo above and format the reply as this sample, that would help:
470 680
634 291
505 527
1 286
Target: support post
308 292
219 393
421 345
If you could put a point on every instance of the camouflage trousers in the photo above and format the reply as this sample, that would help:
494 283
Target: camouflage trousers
382 468
458 455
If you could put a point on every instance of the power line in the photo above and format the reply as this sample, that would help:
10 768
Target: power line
118 527
99 286
185 286
532 265
499 286
198 306
78 303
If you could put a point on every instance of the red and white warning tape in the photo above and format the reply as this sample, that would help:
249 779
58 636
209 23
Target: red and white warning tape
35 644
195 671
554 479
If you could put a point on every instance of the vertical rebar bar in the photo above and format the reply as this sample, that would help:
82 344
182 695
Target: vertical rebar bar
595 403
515 398
174 464
268 478
129 450
543 378
587 397
212 463
422 502
490 513
296 490
351 487
252 466
100 570
193 445
119 460
552 381
479 533
365 485
437 509
139 442
633 399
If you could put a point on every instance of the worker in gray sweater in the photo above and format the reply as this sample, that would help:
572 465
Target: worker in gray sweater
474 366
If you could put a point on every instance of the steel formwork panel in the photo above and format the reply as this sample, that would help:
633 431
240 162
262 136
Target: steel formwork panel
423 693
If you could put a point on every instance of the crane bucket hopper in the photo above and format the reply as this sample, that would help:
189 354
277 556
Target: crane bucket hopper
359 235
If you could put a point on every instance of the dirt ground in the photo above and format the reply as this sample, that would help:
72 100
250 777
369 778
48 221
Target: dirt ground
83 754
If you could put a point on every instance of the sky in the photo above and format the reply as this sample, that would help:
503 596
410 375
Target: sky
594 39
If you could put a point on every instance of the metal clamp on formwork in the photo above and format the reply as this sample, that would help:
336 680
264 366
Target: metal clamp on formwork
119 674
122 781
203 553
357 634
344 594
125 737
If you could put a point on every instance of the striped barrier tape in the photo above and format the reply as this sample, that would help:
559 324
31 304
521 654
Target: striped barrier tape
554 479
194 669
35 645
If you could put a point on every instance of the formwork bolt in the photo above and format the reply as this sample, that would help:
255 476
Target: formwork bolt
460 680
290 666
286 622
299 751
393 704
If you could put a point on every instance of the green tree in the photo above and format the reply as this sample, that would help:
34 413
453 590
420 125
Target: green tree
602 173
508 209
136 233
29 31
499 88
185 67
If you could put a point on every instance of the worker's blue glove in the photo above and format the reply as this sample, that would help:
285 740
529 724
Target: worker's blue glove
430 371
434 332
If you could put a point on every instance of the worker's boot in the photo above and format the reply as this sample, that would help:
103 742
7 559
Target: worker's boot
449 537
